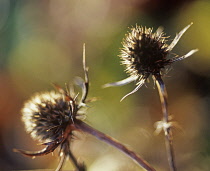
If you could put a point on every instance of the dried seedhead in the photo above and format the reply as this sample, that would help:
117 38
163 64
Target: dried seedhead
145 53
50 118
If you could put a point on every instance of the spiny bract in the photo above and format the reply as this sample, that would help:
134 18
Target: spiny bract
51 118
145 53
46 116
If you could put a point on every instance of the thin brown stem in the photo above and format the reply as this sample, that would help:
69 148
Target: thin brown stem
79 166
103 137
166 124
67 151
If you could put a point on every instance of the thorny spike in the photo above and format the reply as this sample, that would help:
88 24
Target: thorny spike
86 83
175 59
72 92
76 96
62 91
61 162
50 148
159 31
178 36
51 117
121 83
140 83
67 98
84 65
67 89
72 111
145 53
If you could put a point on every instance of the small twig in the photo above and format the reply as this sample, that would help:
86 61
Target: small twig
103 137
166 124
79 166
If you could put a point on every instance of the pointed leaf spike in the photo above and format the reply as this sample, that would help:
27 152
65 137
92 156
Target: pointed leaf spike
61 162
142 81
159 31
59 89
84 64
184 56
120 83
50 148
178 36
86 83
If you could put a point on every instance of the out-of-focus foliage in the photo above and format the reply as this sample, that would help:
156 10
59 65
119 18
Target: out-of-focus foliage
41 42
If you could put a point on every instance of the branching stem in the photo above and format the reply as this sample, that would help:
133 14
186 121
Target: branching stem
103 137
166 125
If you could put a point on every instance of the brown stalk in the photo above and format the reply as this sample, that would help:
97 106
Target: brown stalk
111 141
166 124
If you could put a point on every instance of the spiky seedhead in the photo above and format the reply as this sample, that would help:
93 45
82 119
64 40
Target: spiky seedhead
144 52
50 118
46 116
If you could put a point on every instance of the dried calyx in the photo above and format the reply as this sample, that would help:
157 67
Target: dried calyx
50 118
145 53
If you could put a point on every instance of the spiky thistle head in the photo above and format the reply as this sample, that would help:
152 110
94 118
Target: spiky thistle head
146 53
51 118
46 116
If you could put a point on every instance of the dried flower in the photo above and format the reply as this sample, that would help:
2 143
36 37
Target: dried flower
145 53
46 116
50 118
53 117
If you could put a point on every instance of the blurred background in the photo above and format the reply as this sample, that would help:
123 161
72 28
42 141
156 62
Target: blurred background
41 42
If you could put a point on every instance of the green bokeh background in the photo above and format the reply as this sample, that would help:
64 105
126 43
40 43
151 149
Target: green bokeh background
41 42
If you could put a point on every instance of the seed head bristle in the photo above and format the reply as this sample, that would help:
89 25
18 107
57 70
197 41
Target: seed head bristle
51 118
146 53
46 116
143 51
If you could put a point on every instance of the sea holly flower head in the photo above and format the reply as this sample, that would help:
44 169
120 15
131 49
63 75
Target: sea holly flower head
50 118
145 53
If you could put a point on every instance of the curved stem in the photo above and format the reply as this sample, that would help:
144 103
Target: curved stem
103 137
79 167
62 160
166 125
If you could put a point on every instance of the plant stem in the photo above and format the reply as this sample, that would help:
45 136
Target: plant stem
103 137
166 125
79 167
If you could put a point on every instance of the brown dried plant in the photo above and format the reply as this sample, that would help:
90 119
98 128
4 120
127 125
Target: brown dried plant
53 117
145 53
